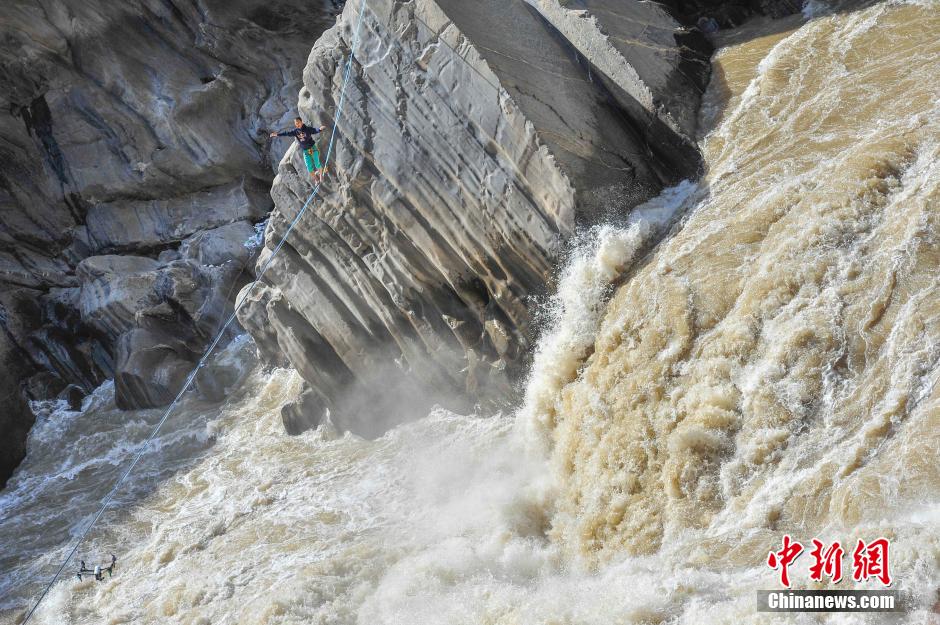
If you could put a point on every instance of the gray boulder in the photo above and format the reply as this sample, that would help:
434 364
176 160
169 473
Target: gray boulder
304 413
151 368
73 396
185 307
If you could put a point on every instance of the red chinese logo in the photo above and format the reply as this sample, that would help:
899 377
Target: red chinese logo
871 560
868 560
784 558
828 562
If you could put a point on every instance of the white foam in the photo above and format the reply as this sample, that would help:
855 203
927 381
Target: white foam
598 257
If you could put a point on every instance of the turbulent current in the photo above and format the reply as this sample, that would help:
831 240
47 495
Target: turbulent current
769 367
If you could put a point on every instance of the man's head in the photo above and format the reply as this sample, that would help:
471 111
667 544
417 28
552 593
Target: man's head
298 122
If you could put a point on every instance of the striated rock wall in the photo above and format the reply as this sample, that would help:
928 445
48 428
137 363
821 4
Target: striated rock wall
656 68
134 162
475 139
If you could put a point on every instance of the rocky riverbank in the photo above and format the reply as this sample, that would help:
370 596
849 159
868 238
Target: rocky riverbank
477 139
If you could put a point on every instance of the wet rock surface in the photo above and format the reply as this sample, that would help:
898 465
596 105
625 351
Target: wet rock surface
476 138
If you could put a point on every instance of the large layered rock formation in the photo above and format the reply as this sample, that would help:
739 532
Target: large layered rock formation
134 161
476 137
650 63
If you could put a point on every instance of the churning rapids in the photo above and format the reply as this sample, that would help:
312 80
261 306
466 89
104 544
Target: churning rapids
770 367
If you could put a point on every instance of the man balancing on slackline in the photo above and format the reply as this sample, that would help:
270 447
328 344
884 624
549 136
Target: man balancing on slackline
308 144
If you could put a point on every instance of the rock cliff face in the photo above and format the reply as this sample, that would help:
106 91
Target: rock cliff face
134 162
653 66
475 139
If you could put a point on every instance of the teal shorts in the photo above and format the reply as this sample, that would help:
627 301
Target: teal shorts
312 159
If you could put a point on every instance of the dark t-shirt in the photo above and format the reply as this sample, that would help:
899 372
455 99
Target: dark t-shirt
304 136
